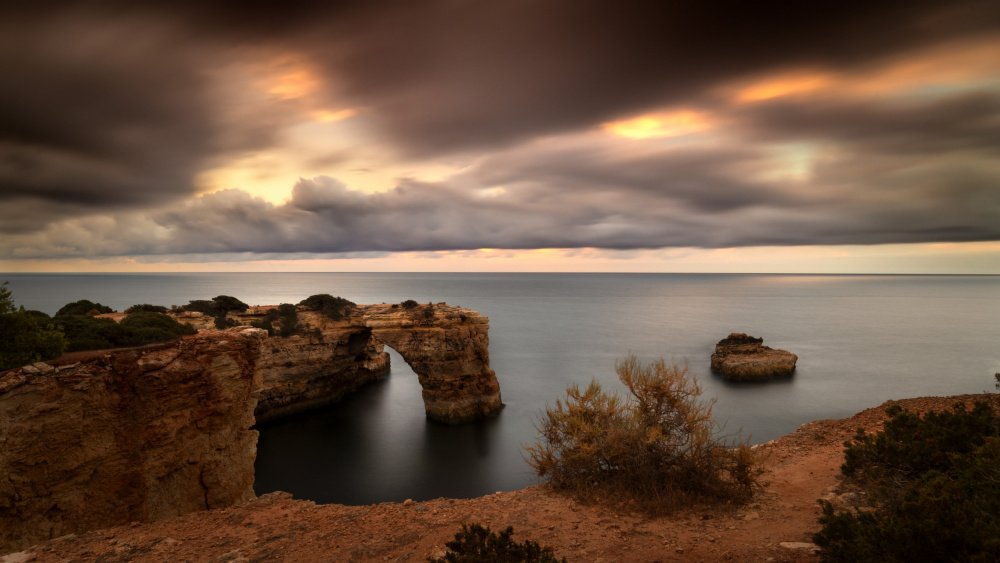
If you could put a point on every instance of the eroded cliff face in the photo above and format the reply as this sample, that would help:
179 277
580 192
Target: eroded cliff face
300 373
447 347
128 435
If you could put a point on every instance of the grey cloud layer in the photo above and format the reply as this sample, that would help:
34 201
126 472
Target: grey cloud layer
108 108
578 193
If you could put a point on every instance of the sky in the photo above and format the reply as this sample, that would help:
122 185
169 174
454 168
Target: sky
523 135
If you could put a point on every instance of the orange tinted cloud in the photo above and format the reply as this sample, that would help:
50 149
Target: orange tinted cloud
786 85
961 65
670 124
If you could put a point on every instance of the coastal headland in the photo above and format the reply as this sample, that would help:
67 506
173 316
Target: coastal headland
107 437
804 466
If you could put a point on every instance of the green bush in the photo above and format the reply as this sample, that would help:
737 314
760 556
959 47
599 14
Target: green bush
147 327
288 317
335 308
147 308
83 307
217 307
659 449
88 333
476 544
409 304
222 322
265 324
935 481
25 336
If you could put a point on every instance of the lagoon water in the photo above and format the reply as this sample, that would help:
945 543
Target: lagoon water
861 340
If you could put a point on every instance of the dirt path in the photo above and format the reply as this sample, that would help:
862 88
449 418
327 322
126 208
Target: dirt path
804 467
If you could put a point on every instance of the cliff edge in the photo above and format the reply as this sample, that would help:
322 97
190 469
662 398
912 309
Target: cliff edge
129 435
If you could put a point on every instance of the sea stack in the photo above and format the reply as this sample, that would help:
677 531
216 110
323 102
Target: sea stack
740 357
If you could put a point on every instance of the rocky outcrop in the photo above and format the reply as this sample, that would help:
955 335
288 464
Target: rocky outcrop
447 347
739 357
128 435
305 372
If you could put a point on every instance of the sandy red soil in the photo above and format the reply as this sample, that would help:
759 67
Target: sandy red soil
803 467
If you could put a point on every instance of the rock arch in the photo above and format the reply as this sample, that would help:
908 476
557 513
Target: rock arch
451 360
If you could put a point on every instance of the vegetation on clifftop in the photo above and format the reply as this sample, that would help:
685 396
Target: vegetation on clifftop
25 336
658 449
476 544
935 485
335 308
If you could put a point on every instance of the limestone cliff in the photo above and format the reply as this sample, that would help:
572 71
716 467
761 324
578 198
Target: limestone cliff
299 373
447 347
739 357
128 435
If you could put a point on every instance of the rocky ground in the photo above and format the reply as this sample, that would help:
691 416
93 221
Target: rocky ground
804 466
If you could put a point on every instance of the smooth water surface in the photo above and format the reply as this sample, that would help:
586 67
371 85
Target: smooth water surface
861 340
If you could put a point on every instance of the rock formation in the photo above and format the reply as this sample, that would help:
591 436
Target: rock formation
129 435
447 347
739 357
301 372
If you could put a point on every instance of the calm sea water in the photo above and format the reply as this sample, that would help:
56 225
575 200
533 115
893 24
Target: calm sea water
860 340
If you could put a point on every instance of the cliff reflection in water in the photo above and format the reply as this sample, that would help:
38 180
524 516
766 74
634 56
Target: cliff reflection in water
377 445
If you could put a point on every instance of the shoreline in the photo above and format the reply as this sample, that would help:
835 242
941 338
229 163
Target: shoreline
803 466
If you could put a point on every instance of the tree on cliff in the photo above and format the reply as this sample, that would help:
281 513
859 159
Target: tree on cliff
23 339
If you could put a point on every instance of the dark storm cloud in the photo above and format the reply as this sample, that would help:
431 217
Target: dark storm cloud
105 111
110 107
716 199
455 76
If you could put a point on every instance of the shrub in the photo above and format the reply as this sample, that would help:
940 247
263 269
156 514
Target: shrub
84 307
87 333
935 480
409 304
658 449
25 337
229 303
147 308
223 322
476 544
335 308
265 324
217 307
288 316
202 306
147 327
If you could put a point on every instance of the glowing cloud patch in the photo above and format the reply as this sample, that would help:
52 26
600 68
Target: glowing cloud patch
672 124
327 116
783 86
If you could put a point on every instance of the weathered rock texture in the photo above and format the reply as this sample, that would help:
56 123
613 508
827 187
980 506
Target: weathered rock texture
300 373
447 347
128 435
739 357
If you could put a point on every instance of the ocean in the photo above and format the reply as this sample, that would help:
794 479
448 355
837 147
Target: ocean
861 340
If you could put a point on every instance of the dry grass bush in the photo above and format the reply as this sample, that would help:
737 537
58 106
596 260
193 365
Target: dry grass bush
659 449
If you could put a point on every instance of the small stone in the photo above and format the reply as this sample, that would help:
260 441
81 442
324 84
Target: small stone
799 545
408 502
43 367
